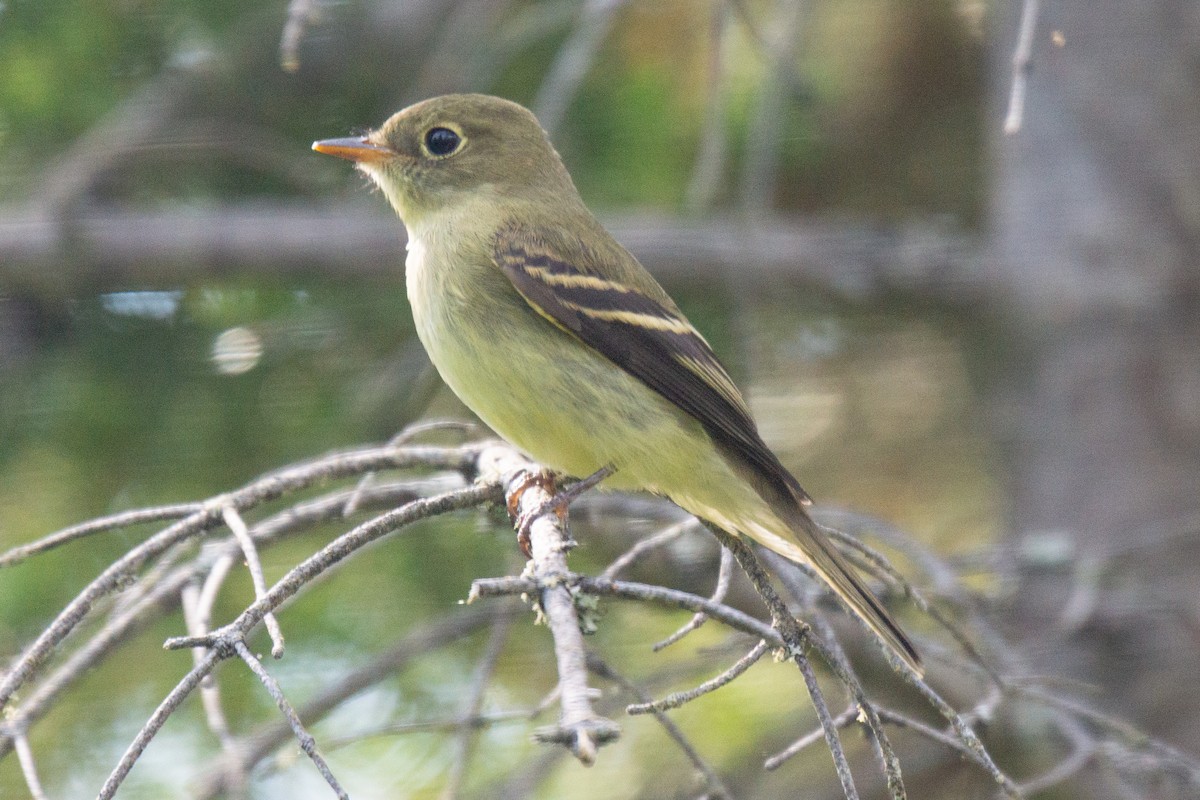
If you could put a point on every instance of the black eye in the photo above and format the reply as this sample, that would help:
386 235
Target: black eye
442 141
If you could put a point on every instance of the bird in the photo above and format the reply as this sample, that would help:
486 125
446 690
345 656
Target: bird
560 341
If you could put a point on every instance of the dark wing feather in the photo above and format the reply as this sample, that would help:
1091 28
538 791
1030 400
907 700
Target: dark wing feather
647 338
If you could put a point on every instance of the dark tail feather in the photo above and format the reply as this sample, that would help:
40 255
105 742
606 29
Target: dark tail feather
815 549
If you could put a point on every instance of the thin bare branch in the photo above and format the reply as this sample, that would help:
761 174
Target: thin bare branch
196 618
947 586
797 636
826 642
967 738
724 573
645 546
112 522
165 709
334 552
307 743
716 787
405 436
807 740
427 638
214 561
269 487
641 592
169 566
680 698
235 523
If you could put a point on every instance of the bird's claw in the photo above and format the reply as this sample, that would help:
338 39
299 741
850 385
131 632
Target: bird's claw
523 521
557 503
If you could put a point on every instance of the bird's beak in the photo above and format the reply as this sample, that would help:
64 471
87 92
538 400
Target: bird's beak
355 148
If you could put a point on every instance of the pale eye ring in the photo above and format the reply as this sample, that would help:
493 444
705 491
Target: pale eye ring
442 141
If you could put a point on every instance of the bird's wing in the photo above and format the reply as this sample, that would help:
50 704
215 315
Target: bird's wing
646 337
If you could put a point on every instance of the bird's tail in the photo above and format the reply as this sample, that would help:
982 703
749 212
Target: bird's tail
812 547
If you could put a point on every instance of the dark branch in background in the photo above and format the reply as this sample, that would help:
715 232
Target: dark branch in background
764 140
166 578
300 14
573 61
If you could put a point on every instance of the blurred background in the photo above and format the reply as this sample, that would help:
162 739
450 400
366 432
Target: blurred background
989 340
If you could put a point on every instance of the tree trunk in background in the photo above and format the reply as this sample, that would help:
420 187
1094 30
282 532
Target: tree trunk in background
1095 250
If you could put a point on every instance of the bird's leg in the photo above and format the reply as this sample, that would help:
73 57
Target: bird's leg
557 503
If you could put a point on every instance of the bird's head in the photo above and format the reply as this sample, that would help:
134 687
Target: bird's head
439 152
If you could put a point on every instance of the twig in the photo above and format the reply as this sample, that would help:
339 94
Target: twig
196 618
1022 63
307 743
215 562
724 572
967 738
657 594
333 553
456 724
420 642
641 592
835 656
221 567
158 570
715 785
796 635
680 698
947 585
645 546
40 700
165 709
812 737
241 533
402 438
267 488
124 519
28 767
832 740
953 742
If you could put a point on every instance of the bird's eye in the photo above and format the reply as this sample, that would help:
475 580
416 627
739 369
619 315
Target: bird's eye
442 141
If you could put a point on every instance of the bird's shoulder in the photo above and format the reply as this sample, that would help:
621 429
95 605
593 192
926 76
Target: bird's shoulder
574 249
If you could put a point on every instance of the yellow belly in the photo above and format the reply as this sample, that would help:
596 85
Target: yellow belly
564 404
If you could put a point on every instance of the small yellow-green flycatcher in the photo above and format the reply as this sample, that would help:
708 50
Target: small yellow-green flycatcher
564 344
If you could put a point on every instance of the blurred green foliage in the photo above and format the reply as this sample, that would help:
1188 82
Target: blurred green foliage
66 62
882 110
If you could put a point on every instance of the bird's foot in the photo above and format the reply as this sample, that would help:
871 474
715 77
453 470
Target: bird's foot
523 520
558 502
